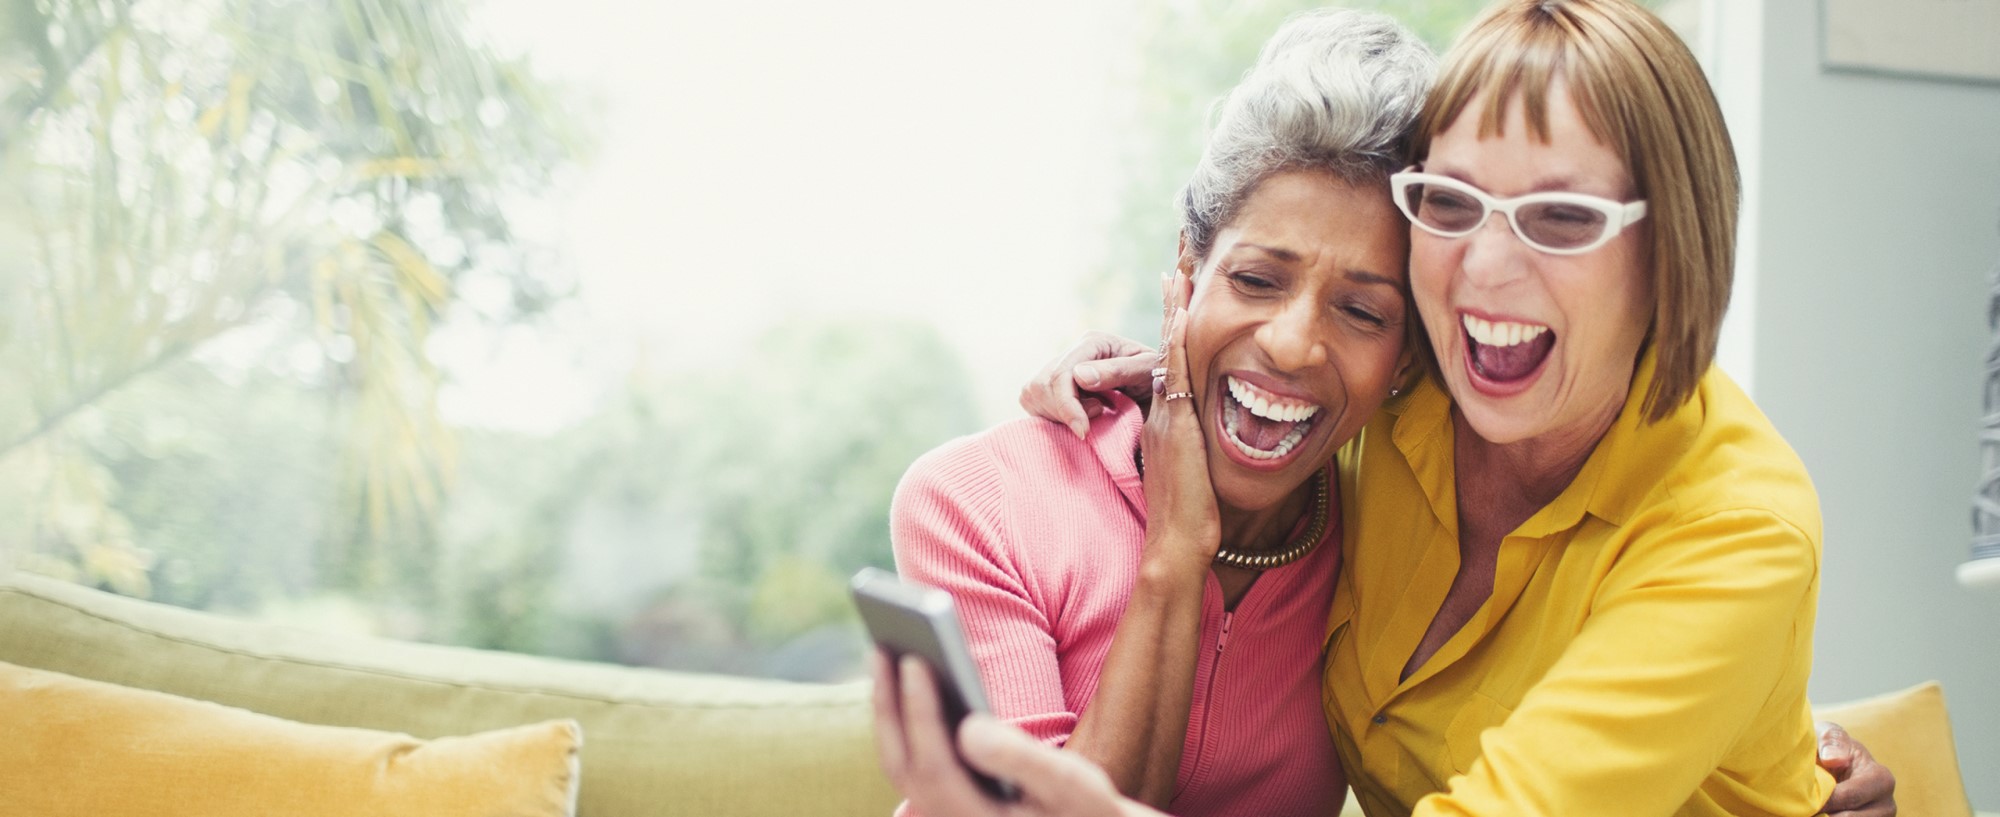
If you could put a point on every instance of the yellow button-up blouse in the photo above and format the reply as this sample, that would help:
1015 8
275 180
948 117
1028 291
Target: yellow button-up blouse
1646 646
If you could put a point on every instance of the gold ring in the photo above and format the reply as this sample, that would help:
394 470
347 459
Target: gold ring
1160 372
1178 395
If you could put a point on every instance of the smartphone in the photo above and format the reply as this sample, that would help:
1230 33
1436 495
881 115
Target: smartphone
907 618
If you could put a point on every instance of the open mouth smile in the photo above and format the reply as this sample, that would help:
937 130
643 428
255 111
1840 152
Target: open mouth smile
1505 352
1262 429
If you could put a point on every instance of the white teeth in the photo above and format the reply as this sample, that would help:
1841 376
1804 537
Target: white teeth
1501 333
1284 446
1269 406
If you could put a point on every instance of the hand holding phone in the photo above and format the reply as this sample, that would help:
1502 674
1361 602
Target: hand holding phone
906 618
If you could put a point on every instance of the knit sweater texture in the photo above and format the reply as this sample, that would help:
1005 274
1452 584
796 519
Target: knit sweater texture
1038 536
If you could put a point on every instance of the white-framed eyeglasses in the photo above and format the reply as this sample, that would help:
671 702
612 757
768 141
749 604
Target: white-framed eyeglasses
1555 223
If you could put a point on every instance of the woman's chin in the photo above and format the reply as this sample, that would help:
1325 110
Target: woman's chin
1509 420
1500 418
1256 489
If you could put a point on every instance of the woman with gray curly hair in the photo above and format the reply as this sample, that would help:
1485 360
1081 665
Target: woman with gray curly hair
1185 659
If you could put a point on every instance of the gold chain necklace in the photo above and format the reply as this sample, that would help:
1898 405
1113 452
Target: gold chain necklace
1295 550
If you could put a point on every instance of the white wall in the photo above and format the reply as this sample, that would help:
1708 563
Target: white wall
1878 218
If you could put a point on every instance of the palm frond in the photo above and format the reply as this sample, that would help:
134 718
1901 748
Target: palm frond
190 167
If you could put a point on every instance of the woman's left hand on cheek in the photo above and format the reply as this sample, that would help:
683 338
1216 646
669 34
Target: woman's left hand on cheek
1182 519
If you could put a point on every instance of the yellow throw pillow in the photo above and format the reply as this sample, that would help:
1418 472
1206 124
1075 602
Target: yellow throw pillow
1910 732
87 748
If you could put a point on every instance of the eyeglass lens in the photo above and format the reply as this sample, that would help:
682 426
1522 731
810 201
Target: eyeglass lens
1557 225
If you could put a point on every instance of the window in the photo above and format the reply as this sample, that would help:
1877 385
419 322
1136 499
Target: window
595 329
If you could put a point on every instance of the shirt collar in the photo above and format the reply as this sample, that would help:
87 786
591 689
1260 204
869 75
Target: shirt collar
1114 439
1422 432
1635 455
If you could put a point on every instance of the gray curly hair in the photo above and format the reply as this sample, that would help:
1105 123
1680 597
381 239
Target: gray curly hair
1336 90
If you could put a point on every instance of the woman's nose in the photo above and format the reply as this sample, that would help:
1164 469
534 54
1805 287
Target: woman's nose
1291 338
1494 255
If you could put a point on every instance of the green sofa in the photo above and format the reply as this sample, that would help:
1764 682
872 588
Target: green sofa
655 743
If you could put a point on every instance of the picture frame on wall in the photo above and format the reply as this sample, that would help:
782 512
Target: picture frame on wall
1938 39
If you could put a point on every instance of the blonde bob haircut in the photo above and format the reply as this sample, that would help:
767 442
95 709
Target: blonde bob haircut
1641 93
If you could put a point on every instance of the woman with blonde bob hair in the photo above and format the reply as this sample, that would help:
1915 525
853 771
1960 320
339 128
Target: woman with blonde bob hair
1580 568
1640 93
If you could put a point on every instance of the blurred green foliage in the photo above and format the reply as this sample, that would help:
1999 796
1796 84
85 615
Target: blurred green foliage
707 520
229 230
310 178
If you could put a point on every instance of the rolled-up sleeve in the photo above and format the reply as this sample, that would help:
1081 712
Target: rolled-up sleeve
948 526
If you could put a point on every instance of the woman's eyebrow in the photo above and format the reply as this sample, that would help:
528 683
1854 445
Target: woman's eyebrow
1279 253
1361 276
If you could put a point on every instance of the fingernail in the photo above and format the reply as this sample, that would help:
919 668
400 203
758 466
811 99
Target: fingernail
1832 750
1087 376
1081 429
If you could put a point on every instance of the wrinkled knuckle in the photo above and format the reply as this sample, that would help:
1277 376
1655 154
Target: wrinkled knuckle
1879 772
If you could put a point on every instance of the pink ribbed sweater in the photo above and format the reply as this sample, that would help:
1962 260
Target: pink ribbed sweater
1038 537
